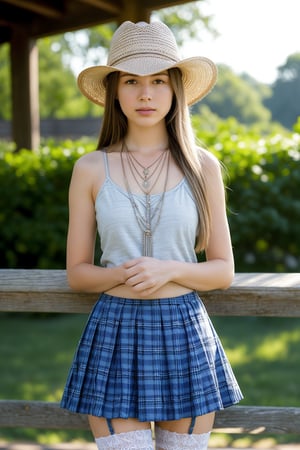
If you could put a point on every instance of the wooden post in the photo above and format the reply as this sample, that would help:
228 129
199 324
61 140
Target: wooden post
25 98
135 12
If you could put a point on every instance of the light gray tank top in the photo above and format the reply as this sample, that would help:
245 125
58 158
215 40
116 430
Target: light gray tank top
120 235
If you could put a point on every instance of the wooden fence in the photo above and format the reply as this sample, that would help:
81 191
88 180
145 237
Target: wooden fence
60 128
255 294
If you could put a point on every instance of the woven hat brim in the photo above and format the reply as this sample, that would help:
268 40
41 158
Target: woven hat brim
199 75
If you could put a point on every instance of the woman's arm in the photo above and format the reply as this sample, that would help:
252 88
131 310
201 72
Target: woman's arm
217 271
82 274
147 274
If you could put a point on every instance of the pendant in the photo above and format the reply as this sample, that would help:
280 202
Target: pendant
147 243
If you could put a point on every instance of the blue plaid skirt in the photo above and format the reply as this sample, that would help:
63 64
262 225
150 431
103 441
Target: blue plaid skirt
151 360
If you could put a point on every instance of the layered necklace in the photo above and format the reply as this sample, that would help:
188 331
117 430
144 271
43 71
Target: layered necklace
146 177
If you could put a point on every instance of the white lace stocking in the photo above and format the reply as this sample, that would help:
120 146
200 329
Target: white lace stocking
168 440
133 440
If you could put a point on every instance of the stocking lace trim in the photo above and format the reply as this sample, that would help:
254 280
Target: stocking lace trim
169 440
132 440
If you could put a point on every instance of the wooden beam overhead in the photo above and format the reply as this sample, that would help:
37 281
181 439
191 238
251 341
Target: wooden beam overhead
134 11
103 5
159 4
42 18
71 22
38 7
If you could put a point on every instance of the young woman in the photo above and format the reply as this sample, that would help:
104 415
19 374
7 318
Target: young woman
149 352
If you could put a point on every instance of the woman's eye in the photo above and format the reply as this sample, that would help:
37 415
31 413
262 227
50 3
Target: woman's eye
130 81
159 81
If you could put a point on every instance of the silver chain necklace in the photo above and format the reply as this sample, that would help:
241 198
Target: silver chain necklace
146 175
150 220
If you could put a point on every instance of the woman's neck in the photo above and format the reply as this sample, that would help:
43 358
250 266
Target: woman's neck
147 141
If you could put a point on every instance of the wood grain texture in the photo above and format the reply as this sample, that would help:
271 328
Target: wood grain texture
251 294
242 419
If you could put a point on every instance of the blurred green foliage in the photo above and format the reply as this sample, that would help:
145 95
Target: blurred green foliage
34 204
263 185
263 180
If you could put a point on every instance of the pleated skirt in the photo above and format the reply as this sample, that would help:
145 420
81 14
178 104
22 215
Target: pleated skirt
150 359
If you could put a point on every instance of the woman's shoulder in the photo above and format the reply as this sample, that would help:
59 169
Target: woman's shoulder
95 159
89 172
89 169
208 160
89 159
212 169
89 163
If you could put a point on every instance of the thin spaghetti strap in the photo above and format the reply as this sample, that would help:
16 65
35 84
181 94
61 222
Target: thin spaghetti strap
106 164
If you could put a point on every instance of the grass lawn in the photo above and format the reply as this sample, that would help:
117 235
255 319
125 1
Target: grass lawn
36 352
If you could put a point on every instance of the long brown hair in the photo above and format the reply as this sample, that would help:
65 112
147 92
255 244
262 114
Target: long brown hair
181 143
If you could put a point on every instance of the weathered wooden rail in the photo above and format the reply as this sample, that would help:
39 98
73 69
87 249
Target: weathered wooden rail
255 294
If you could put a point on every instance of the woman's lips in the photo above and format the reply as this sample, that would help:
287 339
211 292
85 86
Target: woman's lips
145 111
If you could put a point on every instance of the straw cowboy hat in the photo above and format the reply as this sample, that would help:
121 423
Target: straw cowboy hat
147 49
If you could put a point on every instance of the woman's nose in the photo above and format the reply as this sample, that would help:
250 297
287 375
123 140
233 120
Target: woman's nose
145 97
145 93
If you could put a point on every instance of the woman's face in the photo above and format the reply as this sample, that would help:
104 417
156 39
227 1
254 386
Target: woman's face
145 100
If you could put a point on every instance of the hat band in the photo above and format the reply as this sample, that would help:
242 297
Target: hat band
143 54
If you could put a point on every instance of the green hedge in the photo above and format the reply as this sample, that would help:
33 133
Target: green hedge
34 204
263 191
263 198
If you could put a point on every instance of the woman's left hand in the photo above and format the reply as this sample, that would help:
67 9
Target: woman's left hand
146 275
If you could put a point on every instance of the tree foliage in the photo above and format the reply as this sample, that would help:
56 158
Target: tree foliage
88 46
59 94
235 97
188 22
262 175
285 100
55 94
